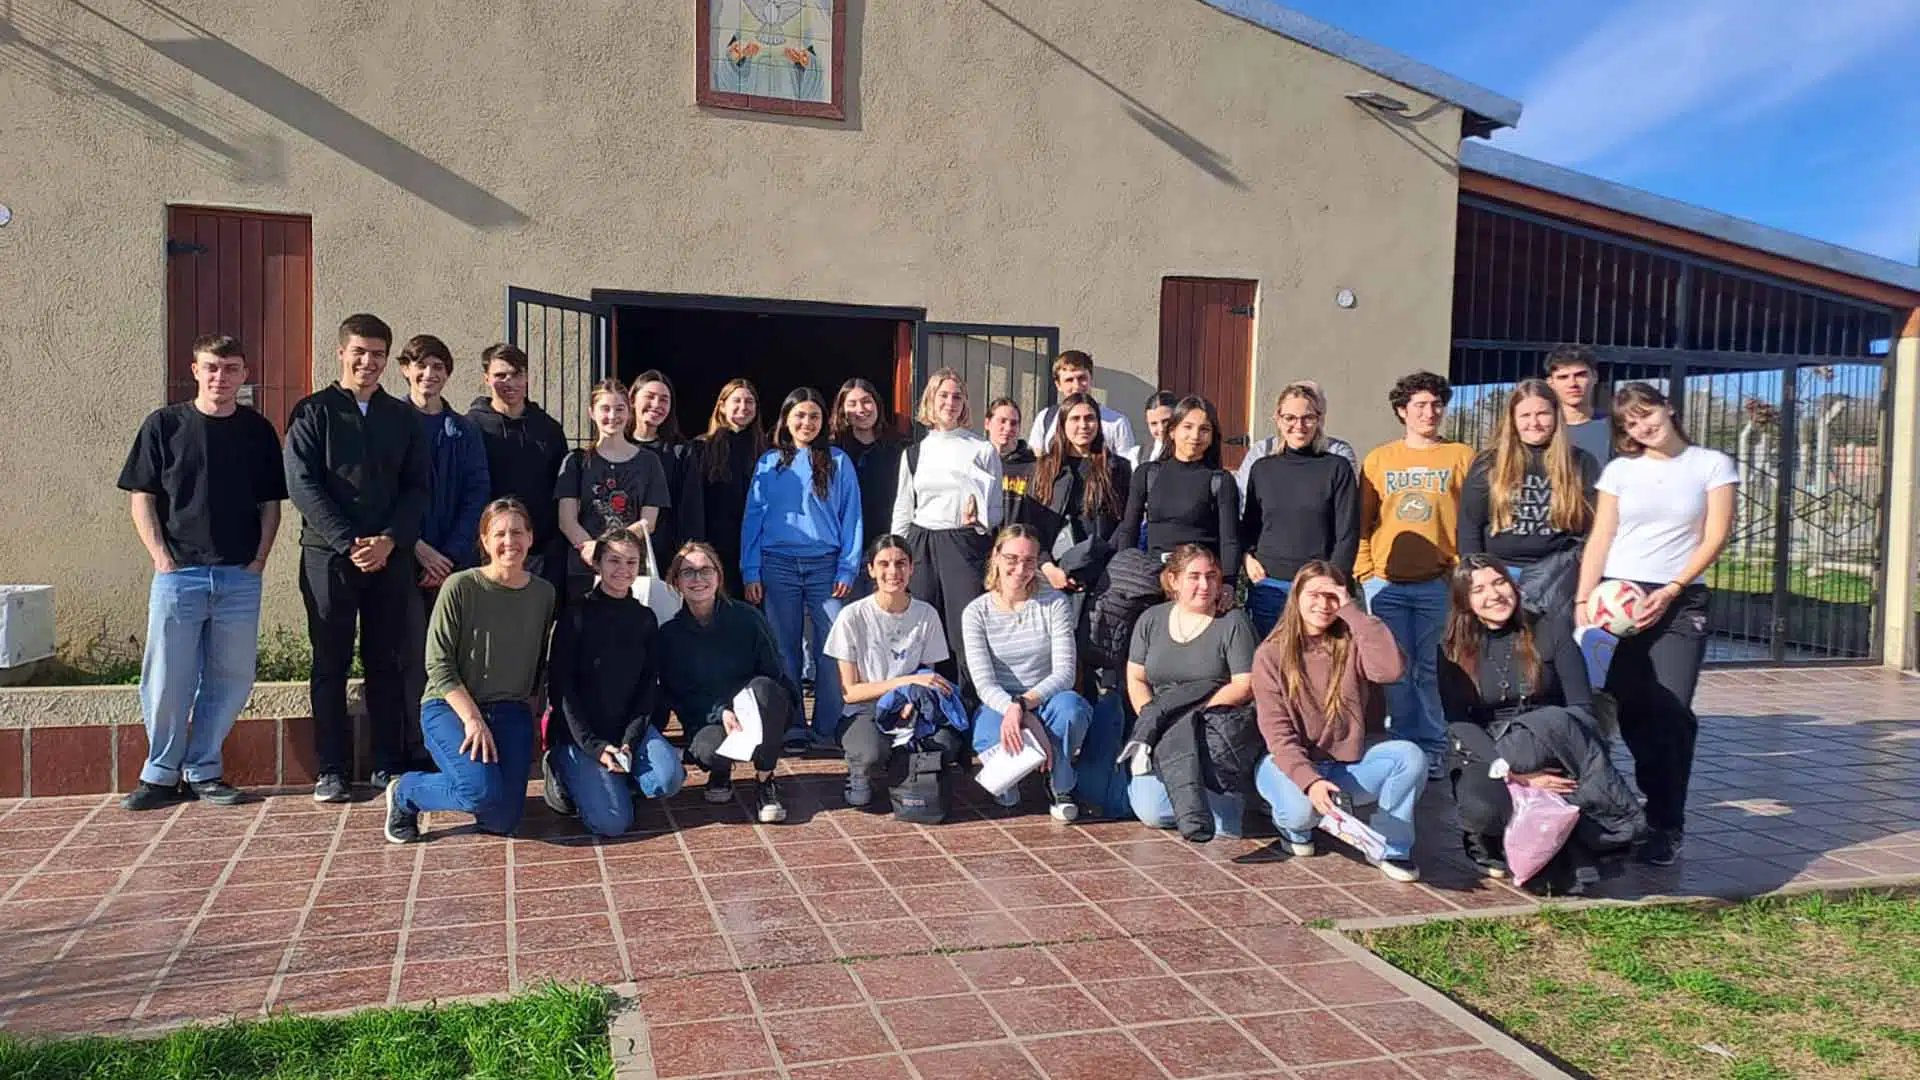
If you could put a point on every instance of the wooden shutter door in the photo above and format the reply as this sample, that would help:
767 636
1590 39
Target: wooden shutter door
249 275
1206 348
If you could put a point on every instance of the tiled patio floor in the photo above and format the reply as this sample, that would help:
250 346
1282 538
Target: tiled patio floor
842 934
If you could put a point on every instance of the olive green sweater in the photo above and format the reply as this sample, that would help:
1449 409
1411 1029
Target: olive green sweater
488 638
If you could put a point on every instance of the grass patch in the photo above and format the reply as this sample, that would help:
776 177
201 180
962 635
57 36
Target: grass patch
1811 987
554 1033
285 656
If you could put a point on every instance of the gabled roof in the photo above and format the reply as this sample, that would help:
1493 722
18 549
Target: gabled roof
1486 110
1483 157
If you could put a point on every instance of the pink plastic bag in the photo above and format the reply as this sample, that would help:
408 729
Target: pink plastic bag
1541 822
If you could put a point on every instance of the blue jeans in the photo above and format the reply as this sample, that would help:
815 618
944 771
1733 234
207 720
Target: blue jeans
1416 612
203 636
796 589
1393 772
1151 804
1066 716
495 793
605 799
1102 781
1265 602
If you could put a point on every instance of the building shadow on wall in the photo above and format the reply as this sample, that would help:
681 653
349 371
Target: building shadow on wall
264 87
1183 142
69 60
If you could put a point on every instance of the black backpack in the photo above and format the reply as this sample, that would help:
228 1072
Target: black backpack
926 792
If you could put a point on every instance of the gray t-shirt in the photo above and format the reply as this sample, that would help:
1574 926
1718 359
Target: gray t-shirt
881 645
1595 437
1221 651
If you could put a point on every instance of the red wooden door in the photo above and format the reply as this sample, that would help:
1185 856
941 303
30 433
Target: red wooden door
249 275
1206 348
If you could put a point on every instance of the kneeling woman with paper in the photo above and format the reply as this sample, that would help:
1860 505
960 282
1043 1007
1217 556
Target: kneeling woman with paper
723 678
886 646
1020 655
1192 750
1317 682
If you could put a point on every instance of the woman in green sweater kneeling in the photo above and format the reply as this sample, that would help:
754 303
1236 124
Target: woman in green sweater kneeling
710 652
486 645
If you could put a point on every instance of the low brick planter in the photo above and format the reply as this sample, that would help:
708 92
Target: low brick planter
88 740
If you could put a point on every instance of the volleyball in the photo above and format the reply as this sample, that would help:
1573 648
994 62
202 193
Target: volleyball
1614 606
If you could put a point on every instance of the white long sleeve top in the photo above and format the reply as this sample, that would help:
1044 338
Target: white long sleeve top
953 466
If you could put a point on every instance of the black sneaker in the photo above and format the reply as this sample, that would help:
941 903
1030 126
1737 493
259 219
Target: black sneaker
720 783
1660 848
553 791
381 778
772 810
215 791
403 826
796 742
150 796
330 787
1485 853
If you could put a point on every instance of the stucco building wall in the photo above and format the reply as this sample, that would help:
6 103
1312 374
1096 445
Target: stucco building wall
1020 161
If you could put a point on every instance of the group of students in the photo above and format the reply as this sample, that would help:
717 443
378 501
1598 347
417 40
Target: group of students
1409 616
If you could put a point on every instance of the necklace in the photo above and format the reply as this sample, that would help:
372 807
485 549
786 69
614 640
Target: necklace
1182 625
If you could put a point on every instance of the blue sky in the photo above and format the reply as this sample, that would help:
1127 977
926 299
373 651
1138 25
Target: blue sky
1801 114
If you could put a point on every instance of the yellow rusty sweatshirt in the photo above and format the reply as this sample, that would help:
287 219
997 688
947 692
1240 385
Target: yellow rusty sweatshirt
1409 510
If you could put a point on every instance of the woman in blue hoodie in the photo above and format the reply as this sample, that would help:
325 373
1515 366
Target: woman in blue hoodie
800 541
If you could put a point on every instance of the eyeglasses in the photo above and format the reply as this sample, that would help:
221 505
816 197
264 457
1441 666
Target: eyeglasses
1020 560
1289 420
697 573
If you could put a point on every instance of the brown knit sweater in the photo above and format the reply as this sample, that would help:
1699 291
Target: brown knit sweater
1299 734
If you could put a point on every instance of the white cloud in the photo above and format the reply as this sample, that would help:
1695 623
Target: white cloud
1658 60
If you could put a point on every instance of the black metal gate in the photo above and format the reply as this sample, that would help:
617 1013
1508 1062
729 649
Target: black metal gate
566 342
995 361
1789 381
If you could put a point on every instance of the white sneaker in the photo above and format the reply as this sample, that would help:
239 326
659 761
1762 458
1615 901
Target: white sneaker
859 789
1064 809
1400 869
1301 849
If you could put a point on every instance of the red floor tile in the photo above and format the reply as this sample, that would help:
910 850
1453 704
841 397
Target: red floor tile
1007 969
1202 1048
459 910
327 991
694 998
175 1004
442 979
909 976
590 964
1098 1056
925 1023
975 931
1470 1065
697 1049
1148 1001
681 956
1205 950
1342 983
888 1067
1308 1038
826 1034
356 918
335 953
1046 1011
812 986
1245 993
1000 1061
1407 1026
567 932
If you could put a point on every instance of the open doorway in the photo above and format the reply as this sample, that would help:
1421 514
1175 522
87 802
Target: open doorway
702 342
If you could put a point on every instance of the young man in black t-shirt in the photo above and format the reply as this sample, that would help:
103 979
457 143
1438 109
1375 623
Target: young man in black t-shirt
359 471
206 483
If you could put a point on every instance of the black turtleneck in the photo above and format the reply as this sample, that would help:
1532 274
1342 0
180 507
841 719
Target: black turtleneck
1301 506
1182 508
725 499
603 672
1502 687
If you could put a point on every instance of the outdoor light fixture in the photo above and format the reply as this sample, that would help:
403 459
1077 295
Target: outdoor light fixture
1345 298
1374 99
6 215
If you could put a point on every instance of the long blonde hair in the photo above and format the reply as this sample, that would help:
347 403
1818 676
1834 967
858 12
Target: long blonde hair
1568 510
1291 640
924 414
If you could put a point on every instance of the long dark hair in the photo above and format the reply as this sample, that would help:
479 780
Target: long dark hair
713 454
1101 498
840 429
819 452
1466 635
1210 458
669 430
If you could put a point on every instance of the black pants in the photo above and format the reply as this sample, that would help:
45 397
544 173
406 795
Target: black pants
338 596
949 570
869 749
1652 679
776 711
1482 801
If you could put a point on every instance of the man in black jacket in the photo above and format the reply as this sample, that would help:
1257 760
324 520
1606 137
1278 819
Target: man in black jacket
358 470
525 447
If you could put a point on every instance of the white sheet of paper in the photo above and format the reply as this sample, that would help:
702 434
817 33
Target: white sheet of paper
1000 770
740 745
1357 833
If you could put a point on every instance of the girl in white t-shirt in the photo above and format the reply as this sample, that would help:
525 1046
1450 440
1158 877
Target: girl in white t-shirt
885 641
1664 511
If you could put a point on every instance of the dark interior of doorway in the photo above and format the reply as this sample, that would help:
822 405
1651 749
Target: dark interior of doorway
701 349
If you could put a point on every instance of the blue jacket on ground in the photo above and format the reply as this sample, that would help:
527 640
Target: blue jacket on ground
785 516
930 708
460 486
